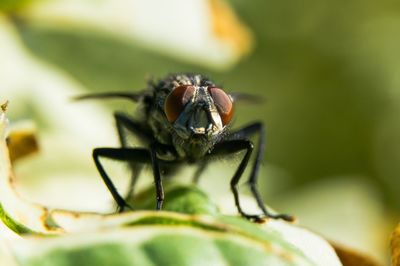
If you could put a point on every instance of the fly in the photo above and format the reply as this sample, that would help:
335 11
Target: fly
184 118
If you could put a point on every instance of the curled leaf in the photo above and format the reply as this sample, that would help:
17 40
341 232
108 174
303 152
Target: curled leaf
351 257
190 231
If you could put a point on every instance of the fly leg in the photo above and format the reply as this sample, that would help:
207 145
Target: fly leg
157 176
138 155
200 169
245 133
125 123
233 146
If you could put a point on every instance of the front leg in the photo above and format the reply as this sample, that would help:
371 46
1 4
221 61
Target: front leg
257 128
233 146
118 154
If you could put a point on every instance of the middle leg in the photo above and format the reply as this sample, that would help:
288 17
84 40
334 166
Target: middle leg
125 124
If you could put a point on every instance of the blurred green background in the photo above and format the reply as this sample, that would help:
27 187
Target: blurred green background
325 68
328 71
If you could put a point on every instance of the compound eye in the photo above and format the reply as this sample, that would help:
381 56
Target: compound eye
223 103
176 101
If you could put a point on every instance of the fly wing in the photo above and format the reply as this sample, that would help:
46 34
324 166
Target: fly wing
246 97
133 96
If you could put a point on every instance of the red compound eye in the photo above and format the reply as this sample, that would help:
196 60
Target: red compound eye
223 103
177 100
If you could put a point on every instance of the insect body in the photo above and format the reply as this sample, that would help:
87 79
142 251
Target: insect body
184 118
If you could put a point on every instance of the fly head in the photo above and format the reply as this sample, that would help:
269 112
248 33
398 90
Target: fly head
199 115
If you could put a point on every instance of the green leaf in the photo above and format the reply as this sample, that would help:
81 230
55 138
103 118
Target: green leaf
161 244
182 199
12 224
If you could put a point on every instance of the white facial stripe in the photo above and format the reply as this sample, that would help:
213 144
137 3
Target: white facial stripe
217 120
195 93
